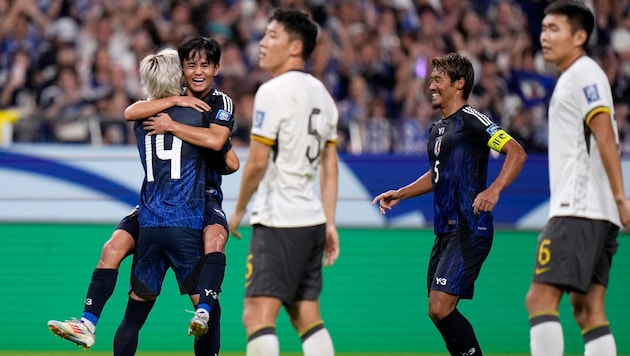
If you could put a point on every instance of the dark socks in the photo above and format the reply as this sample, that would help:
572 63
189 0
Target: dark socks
99 291
211 278
126 338
210 343
459 335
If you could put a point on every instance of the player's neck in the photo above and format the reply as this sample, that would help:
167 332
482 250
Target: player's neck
452 107
565 64
289 65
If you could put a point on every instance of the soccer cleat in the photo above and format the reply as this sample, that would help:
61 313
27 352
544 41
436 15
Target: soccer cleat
73 330
199 323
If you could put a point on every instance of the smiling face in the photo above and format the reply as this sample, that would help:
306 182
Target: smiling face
199 73
444 92
560 45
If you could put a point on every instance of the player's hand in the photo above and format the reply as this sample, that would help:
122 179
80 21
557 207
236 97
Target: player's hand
159 124
485 201
386 201
624 214
233 223
331 249
192 102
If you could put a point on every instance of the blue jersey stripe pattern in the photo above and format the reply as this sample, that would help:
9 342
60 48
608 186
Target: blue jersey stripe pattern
458 152
173 191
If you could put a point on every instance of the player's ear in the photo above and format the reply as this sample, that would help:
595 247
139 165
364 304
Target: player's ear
460 83
579 38
295 48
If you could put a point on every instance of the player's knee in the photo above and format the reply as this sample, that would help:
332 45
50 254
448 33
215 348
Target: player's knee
438 311
215 240
530 302
111 256
249 318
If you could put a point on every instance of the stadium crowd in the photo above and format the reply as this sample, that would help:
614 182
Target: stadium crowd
69 68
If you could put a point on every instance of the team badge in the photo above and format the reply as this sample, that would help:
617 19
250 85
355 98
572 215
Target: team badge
259 118
437 146
492 129
223 115
591 93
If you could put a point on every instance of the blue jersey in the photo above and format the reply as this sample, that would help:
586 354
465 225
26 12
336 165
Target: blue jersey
173 191
221 113
458 150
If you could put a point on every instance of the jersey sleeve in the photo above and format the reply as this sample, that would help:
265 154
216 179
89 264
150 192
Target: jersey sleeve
489 132
590 94
268 114
332 139
221 111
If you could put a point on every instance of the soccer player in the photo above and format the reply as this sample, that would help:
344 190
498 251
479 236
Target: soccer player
587 203
293 136
458 149
122 241
200 57
172 206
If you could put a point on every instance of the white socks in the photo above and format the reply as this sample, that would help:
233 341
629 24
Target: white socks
602 346
546 339
318 344
264 345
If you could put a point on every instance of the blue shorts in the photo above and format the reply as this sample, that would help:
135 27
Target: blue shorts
214 213
455 262
159 248
131 224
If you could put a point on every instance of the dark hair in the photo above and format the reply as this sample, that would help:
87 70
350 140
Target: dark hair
193 46
299 26
579 15
456 67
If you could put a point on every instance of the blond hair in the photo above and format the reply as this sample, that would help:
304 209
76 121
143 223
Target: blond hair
161 74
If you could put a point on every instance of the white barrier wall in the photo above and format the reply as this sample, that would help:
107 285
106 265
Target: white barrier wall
68 183
76 183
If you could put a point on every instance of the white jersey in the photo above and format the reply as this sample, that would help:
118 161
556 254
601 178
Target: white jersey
578 181
297 117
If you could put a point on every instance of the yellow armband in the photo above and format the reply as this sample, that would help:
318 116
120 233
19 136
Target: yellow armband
498 140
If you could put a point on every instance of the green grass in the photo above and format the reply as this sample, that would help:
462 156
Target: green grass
99 353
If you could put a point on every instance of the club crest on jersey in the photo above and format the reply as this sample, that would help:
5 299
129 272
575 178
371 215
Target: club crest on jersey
591 93
223 115
437 146
259 118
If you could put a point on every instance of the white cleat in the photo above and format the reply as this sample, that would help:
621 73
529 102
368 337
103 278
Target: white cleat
73 330
199 323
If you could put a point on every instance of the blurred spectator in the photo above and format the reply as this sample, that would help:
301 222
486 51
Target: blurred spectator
66 111
354 108
373 55
373 134
412 132
243 113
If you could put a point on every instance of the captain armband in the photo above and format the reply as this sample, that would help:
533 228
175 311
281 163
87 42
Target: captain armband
498 140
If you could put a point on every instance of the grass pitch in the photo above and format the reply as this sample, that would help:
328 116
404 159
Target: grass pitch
99 353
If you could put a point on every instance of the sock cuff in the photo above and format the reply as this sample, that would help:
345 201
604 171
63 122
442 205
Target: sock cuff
311 329
263 330
105 273
542 317
214 258
596 332
454 314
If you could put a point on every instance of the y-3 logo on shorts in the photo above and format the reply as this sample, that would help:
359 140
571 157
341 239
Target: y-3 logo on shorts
441 281
470 352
